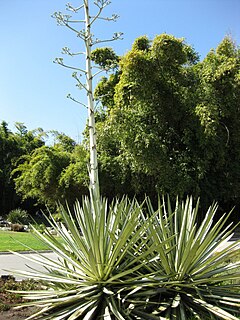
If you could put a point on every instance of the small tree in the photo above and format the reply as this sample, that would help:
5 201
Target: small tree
89 41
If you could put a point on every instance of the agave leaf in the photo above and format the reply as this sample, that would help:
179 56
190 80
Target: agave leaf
181 237
124 245
47 277
141 314
215 310
49 265
131 293
59 248
198 266
188 254
161 238
225 299
38 313
207 222
64 310
216 260
176 301
114 309
163 307
81 311
230 303
209 239
183 315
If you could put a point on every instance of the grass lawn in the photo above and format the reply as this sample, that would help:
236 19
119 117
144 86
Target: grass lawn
9 241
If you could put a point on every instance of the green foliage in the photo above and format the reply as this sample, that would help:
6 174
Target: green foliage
57 217
150 124
35 173
63 142
13 146
141 43
18 216
106 58
168 51
172 121
40 173
126 261
218 112
105 90
51 174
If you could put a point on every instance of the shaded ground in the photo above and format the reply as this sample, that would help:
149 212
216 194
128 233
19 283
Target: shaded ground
9 299
16 314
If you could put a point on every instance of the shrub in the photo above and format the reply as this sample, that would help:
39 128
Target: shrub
17 227
118 261
39 227
18 216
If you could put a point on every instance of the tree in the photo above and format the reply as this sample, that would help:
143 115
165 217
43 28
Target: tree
89 42
53 173
149 117
172 121
13 146
219 114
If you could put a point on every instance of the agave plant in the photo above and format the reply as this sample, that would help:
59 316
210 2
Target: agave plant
195 262
101 250
118 261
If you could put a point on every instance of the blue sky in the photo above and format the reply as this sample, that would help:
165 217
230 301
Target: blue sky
34 89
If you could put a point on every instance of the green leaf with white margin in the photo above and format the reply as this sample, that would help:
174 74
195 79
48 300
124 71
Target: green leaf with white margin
215 310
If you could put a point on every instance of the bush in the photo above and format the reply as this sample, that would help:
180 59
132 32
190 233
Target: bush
17 227
18 216
39 227
118 261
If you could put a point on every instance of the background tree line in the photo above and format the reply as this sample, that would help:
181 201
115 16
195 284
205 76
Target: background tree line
168 123
34 173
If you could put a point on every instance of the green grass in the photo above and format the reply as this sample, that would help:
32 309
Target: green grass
9 241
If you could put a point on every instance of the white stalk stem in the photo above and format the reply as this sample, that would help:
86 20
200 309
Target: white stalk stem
93 169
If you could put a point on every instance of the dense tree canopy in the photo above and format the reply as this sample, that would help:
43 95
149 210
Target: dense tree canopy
170 123
33 173
53 173
13 146
218 110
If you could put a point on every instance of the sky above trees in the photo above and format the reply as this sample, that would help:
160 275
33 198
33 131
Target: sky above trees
34 89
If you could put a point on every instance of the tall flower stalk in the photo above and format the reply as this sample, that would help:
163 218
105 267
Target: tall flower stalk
89 41
93 172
